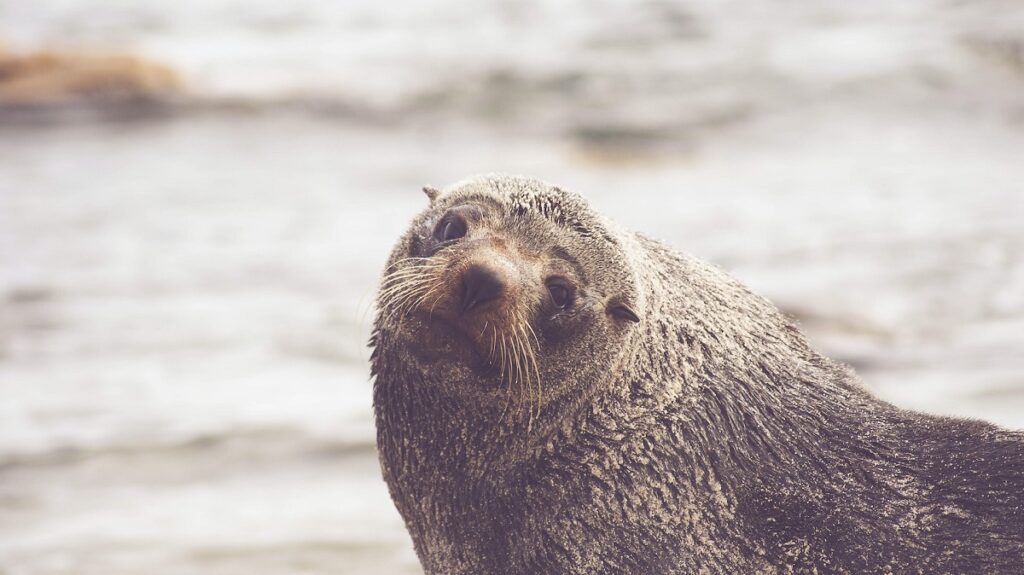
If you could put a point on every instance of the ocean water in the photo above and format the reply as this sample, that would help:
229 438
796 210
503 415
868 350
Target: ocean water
185 293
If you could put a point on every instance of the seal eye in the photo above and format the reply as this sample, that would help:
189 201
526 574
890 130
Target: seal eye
450 227
561 292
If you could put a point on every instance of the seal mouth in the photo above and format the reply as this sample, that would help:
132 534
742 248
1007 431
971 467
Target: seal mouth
466 311
487 348
435 337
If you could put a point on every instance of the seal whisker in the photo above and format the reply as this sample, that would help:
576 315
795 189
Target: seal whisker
417 302
398 278
531 356
513 360
411 282
434 304
529 362
523 376
395 292
494 337
391 283
392 289
395 276
412 271
426 294
398 265
395 301
508 383
405 301
501 372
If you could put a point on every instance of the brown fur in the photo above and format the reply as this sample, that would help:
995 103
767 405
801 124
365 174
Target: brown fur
707 438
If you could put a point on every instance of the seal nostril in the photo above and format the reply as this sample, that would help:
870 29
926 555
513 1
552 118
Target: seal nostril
480 285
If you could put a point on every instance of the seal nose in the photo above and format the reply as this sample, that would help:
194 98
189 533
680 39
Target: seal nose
479 285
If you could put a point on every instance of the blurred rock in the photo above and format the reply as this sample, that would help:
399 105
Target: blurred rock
49 77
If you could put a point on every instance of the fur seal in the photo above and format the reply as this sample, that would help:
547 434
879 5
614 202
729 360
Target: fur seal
554 394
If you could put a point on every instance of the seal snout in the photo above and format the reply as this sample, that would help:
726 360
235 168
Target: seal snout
480 284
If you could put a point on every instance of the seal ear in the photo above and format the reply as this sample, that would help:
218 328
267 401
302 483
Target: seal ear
623 311
432 193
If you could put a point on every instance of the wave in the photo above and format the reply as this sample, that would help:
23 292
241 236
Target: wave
272 442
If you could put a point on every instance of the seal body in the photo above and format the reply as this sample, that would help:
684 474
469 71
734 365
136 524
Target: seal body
670 421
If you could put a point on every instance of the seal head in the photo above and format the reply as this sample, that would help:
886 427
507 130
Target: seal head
502 288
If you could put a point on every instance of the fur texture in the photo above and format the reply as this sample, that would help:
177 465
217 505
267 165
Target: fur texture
707 438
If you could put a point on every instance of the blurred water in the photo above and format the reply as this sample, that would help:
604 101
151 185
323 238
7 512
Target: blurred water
185 296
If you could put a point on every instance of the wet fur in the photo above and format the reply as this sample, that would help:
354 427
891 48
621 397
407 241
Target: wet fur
711 440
